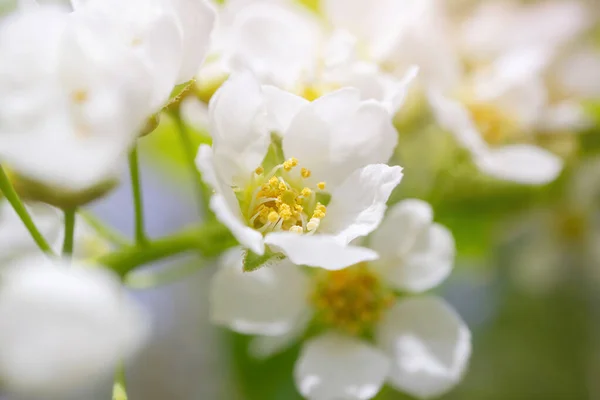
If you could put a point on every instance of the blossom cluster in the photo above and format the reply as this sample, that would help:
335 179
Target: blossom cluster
303 120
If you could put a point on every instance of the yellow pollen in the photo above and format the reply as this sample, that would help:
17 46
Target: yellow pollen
273 216
289 164
351 300
321 185
305 173
275 201
80 96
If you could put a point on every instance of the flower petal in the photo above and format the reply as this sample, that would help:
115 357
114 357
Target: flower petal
224 204
63 327
247 236
332 366
282 107
238 127
429 262
398 232
278 42
524 164
262 347
337 134
429 344
267 301
358 204
454 117
318 250
197 20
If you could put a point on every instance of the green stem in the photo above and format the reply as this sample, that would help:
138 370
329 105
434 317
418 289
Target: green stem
209 240
190 157
67 249
13 198
120 386
103 230
140 235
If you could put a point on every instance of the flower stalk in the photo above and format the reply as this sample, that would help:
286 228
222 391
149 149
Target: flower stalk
134 170
15 201
68 242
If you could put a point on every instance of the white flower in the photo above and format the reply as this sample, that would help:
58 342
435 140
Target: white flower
16 241
289 47
71 100
63 327
496 28
312 188
421 346
170 36
497 114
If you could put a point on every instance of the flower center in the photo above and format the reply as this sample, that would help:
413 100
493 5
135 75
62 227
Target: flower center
351 300
281 200
495 126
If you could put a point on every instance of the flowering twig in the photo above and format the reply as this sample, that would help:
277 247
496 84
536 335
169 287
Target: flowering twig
13 198
140 235
67 249
210 240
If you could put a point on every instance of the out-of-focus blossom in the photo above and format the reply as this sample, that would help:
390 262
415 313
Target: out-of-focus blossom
71 100
420 346
63 326
292 48
495 118
304 178
170 36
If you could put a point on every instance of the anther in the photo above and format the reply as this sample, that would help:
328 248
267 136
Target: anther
321 185
305 173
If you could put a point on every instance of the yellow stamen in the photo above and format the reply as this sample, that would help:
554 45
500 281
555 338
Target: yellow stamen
305 173
259 170
321 185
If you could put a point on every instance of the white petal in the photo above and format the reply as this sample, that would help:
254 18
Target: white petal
262 347
197 20
429 345
524 164
267 301
454 117
400 228
247 236
238 127
497 27
335 135
278 42
358 204
225 205
318 250
568 115
63 327
333 366
428 263
282 107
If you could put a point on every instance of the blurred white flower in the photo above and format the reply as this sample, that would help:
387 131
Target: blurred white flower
420 346
497 116
285 169
292 48
170 36
71 100
63 326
